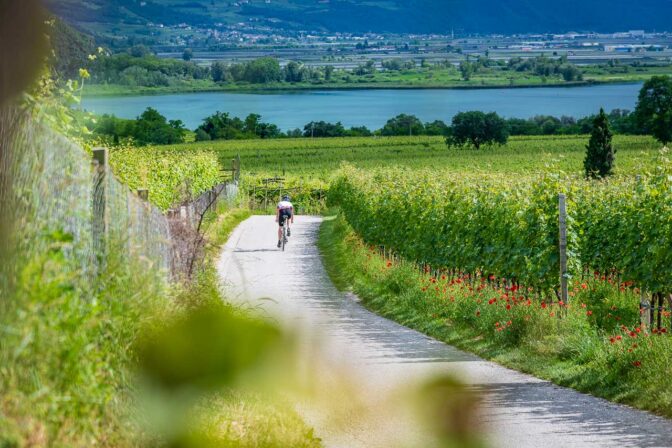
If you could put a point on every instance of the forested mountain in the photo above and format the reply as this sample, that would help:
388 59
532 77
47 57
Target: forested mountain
399 16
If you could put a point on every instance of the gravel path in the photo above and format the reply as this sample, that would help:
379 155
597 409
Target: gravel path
381 357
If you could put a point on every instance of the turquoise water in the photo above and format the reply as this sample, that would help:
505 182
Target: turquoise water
372 108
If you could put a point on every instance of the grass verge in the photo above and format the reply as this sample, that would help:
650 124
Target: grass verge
594 345
239 417
68 357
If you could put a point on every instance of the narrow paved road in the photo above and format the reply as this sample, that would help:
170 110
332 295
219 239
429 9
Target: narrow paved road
381 356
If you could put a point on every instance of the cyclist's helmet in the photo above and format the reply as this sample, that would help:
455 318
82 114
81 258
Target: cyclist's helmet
286 198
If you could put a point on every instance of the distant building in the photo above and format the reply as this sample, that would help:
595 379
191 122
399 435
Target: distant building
624 48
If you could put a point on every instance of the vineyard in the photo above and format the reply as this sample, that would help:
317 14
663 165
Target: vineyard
170 177
318 158
473 259
306 165
507 228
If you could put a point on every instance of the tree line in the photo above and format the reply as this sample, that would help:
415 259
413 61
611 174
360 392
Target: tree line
653 116
139 67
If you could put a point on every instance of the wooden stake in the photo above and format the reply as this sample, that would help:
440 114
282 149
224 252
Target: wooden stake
564 287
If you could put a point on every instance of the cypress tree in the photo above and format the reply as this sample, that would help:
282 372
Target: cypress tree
600 153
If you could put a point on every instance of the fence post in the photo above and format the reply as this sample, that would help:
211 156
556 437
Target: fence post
100 222
564 292
645 309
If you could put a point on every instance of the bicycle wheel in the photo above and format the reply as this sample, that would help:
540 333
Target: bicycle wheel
284 238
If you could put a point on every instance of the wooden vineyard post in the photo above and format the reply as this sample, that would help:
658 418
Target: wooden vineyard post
99 225
645 310
143 194
564 288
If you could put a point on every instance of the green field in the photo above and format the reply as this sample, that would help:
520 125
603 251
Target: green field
307 165
318 158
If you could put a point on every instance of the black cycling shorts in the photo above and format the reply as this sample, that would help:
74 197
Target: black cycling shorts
284 216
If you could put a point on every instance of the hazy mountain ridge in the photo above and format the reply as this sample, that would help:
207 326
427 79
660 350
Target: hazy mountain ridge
413 16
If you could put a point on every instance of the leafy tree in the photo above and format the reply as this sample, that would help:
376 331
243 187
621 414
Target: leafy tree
369 68
477 129
550 126
251 123
139 51
359 131
152 128
263 70
268 130
218 71
570 72
295 133
600 153
328 72
437 127
654 108
466 70
188 54
399 64
202 136
149 128
403 125
293 72
323 129
221 126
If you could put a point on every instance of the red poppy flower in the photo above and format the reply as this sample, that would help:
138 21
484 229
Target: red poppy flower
589 313
637 363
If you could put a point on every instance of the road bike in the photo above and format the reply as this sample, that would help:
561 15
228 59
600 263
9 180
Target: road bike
286 231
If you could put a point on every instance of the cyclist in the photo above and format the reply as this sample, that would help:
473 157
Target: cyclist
283 214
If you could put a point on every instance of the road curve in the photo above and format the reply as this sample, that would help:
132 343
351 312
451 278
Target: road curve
381 356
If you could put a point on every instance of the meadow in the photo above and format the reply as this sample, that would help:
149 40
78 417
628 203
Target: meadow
318 158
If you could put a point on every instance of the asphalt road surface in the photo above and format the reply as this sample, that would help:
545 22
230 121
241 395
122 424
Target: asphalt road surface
366 362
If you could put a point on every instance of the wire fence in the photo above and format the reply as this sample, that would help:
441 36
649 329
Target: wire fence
52 190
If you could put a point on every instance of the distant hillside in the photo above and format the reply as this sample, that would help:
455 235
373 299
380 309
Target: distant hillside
400 16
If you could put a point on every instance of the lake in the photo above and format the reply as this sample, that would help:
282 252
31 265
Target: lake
372 108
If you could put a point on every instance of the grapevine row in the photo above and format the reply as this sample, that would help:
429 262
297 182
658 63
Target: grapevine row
171 177
508 227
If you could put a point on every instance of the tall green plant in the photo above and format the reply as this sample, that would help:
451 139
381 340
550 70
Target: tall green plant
600 152
654 109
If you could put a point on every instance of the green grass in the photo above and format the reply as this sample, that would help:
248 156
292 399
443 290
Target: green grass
68 355
318 158
564 345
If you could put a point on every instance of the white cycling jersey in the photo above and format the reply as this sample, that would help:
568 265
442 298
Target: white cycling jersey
285 205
